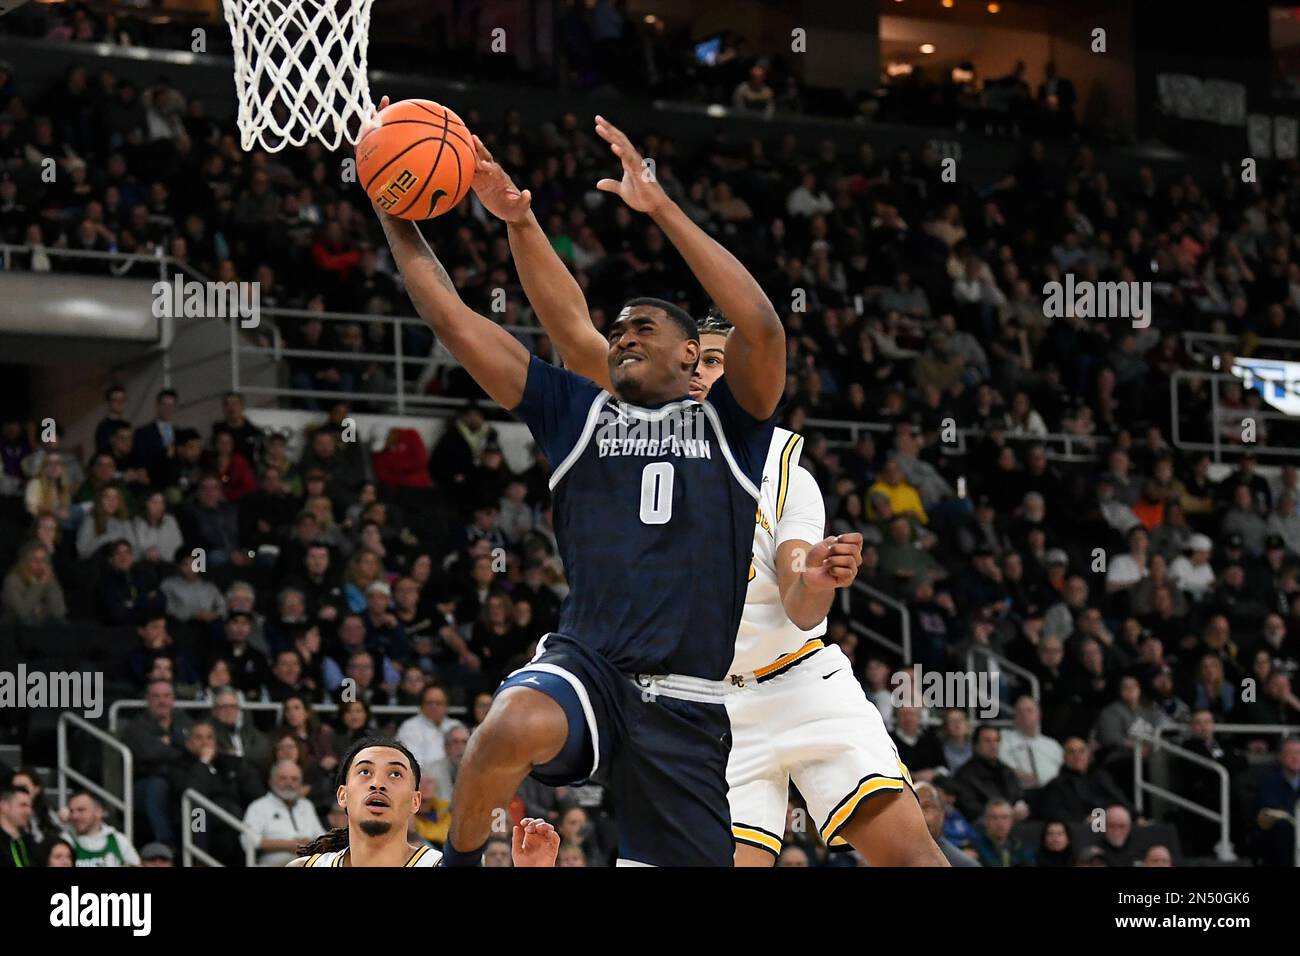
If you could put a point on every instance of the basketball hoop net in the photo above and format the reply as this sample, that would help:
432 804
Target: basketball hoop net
300 70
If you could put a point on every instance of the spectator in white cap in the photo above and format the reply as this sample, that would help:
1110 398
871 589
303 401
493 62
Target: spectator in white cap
1191 572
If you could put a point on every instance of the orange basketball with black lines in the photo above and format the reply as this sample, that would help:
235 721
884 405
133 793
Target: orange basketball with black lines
419 163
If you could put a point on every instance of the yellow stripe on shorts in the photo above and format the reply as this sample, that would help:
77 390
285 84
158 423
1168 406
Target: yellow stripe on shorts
758 838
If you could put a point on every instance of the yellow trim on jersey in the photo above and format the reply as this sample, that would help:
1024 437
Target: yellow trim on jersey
788 660
867 788
759 838
752 572
415 857
784 486
338 860
311 861
906 773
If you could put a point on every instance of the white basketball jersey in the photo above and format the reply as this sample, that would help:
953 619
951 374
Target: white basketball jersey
790 507
424 856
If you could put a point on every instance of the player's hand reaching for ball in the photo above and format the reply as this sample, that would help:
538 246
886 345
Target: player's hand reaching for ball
534 843
639 187
495 191
833 562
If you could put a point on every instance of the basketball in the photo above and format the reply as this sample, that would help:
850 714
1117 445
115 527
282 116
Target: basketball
419 163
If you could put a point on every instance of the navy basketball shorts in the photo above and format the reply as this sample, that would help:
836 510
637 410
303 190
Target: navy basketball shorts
660 744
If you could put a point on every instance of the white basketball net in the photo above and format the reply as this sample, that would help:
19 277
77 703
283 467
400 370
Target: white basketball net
300 70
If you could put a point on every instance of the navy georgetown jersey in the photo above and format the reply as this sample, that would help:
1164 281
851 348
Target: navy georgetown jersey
654 514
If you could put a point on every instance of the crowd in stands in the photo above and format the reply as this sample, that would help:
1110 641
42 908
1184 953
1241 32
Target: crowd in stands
1143 588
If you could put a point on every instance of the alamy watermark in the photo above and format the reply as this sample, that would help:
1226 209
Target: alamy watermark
1086 299
191 299
939 690
60 690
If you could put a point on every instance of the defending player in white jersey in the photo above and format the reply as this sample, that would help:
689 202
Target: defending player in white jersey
379 789
797 712
800 713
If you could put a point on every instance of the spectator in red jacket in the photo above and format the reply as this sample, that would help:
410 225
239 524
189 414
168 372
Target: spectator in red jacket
334 254
236 474
402 463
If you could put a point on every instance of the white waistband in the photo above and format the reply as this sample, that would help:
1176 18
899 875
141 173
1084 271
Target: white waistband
683 688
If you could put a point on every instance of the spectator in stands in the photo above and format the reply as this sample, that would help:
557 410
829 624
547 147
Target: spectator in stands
355 724
1279 791
1123 726
286 676
191 597
315 738
918 747
247 436
1242 518
182 472
984 777
755 96
15 814
32 594
250 671
50 490
956 738
212 523
154 531
425 733
108 521
235 734
1056 847
496 642
1285 523
125 593
94 842
155 442
994 843
225 779
281 821
115 417
1079 788
343 473
933 809
1035 757
1117 837
156 739
1200 785
231 468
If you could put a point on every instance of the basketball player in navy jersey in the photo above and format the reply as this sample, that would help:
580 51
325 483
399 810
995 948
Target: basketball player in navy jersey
654 494
379 789
797 712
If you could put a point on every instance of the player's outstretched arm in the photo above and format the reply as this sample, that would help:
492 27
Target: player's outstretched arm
495 358
755 353
551 289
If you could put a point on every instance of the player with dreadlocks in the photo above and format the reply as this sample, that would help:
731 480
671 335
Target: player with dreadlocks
379 790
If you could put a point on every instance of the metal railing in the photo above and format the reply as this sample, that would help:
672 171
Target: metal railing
1194 340
1060 446
264 706
1223 850
190 852
1282 730
1218 446
125 804
1028 676
903 649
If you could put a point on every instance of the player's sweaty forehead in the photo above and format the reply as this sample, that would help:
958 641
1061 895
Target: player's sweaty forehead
639 317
